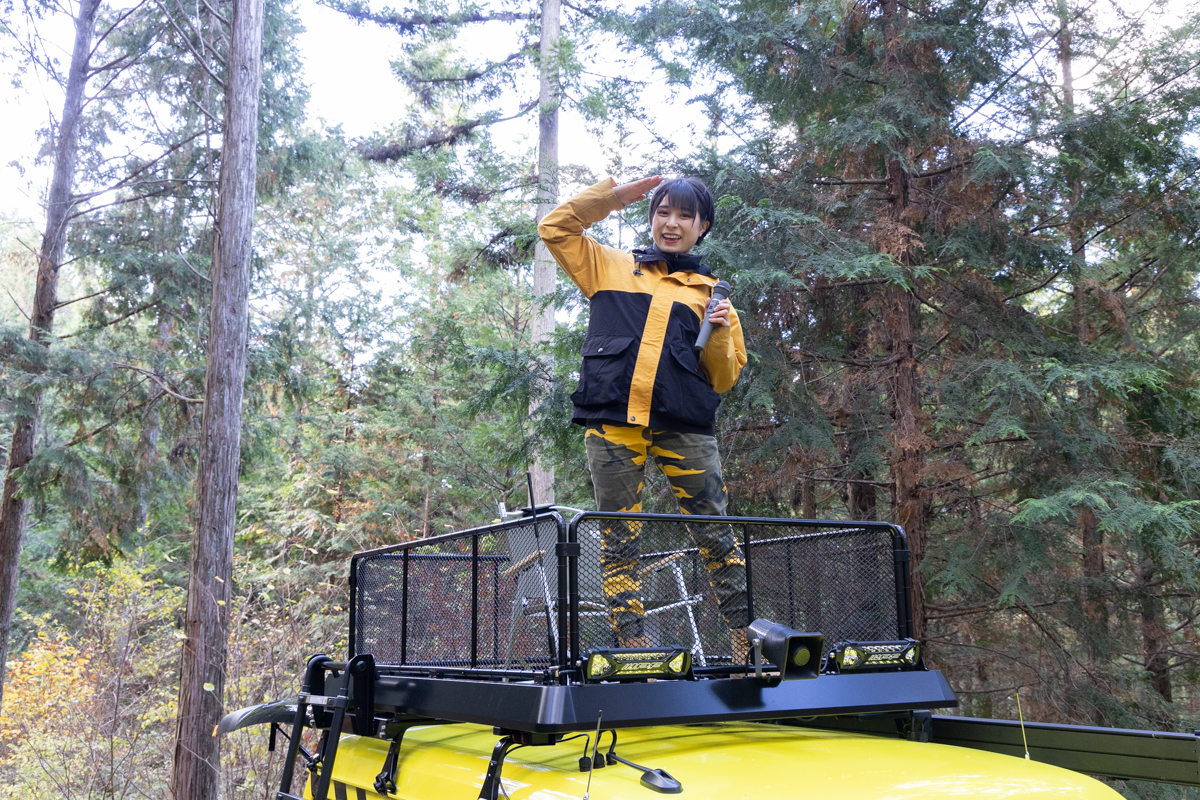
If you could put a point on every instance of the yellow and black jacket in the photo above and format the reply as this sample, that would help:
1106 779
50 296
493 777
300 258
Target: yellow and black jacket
639 363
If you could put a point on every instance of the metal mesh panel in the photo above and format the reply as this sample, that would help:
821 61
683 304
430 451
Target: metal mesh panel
838 581
477 600
664 581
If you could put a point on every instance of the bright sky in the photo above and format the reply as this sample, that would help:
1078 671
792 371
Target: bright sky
347 70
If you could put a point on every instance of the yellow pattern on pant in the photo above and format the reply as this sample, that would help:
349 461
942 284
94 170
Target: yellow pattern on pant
617 459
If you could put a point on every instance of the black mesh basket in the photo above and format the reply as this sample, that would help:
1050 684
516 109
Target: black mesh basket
485 600
658 580
528 598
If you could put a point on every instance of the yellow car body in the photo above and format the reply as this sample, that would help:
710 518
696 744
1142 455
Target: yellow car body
723 761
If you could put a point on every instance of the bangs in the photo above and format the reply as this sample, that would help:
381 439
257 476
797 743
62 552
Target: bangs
677 194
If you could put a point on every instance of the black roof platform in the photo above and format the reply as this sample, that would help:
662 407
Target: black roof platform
553 708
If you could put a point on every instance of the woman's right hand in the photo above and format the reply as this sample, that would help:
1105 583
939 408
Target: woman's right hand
632 192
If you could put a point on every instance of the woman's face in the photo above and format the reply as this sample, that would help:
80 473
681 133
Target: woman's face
675 230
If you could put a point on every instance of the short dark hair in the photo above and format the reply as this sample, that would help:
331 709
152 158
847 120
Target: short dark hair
690 194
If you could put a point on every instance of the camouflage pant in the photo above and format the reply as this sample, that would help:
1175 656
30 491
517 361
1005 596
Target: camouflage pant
617 460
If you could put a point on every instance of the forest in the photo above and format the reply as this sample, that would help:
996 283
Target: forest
240 346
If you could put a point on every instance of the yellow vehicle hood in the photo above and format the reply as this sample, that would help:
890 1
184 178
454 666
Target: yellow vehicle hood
728 761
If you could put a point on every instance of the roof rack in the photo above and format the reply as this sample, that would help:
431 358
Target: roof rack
524 599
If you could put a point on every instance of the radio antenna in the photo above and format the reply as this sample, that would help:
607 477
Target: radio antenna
1021 717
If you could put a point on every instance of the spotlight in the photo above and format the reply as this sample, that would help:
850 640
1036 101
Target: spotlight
903 654
634 664
796 654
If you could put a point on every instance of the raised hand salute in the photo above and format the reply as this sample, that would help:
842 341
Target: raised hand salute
636 190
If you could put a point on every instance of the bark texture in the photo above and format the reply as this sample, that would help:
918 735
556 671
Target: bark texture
908 439
14 509
202 683
544 267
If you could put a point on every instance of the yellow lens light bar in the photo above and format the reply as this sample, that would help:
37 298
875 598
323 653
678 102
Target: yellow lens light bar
903 654
637 664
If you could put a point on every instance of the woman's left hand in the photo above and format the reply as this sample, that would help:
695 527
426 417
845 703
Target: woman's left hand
720 314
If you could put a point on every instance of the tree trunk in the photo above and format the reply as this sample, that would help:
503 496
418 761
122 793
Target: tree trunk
1091 537
202 683
544 266
808 498
13 508
1154 636
908 439
861 496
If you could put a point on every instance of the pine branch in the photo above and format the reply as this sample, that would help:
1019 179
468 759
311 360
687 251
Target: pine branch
187 42
469 77
161 383
1158 86
589 14
1004 440
845 284
198 273
88 436
883 181
130 178
357 10
102 37
852 362
850 182
1017 71
394 151
18 305
1053 276
224 20
121 318
85 297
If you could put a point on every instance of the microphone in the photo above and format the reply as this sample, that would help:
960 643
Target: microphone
720 292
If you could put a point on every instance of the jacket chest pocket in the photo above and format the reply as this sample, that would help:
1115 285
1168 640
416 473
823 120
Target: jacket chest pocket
682 389
607 370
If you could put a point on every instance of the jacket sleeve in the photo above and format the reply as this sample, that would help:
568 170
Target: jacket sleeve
724 355
580 256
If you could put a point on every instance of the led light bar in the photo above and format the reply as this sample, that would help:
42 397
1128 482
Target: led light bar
636 664
903 654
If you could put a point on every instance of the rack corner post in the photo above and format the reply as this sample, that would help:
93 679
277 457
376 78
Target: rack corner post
404 609
902 559
573 590
475 601
352 639
566 556
749 574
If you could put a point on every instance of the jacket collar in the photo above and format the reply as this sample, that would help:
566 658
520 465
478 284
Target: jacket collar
676 262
